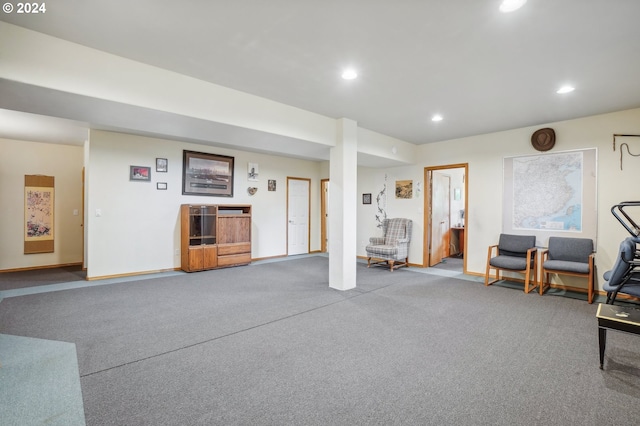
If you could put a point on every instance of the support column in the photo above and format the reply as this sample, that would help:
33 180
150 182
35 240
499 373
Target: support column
343 175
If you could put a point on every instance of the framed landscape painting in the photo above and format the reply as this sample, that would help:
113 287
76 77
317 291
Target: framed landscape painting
207 174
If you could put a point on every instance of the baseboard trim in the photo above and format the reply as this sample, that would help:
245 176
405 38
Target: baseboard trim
35 268
132 274
279 256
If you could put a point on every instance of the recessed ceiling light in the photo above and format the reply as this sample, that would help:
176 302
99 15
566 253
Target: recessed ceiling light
565 89
436 117
511 5
349 74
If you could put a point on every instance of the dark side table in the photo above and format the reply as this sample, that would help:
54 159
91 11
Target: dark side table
619 318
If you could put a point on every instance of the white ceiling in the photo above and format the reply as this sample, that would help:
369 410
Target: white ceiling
483 70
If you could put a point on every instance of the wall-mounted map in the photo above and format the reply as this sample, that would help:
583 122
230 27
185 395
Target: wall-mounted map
551 194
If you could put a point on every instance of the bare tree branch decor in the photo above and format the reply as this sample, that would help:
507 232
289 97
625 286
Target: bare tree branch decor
382 197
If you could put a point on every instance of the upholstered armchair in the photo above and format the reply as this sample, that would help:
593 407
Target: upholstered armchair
392 249
568 256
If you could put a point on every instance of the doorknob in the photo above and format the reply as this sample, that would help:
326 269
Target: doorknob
291 222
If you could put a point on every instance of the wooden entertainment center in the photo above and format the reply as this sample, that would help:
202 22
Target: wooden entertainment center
214 236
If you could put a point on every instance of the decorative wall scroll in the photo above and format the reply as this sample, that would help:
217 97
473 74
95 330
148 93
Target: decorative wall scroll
381 201
38 214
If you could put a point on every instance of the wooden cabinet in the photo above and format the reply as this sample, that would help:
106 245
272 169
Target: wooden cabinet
214 236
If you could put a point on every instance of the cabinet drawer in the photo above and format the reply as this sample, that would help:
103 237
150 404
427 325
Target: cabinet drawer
234 248
234 259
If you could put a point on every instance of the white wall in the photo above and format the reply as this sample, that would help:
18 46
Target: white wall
485 153
373 181
64 162
139 228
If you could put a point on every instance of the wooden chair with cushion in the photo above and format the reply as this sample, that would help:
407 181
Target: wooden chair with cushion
568 256
514 253
392 249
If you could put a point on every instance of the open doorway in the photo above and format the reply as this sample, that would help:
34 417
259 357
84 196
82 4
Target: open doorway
446 216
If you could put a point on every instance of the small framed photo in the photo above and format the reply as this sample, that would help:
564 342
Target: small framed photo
162 165
366 198
140 173
253 172
161 186
272 185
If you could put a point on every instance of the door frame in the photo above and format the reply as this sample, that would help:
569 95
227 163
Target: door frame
427 210
323 214
289 179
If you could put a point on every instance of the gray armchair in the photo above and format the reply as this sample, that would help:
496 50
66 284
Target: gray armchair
392 249
568 256
515 253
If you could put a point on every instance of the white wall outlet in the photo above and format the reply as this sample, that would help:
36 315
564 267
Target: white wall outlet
75 212
98 212
177 252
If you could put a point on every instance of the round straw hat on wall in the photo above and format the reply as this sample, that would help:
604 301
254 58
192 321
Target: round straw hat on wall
543 139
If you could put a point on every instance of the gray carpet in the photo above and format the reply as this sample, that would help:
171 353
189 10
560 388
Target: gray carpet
37 277
273 344
451 264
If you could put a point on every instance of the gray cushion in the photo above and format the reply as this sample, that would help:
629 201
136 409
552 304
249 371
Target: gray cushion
564 265
515 245
570 249
396 231
631 289
621 268
622 277
382 250
509 262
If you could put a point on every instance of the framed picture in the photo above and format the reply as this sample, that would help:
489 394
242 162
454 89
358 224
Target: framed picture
404 189
272 185
366 198
161 186
162 165
207 174
140 173
457 194
253 172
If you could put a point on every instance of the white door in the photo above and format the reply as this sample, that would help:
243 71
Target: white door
440 187
298 216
